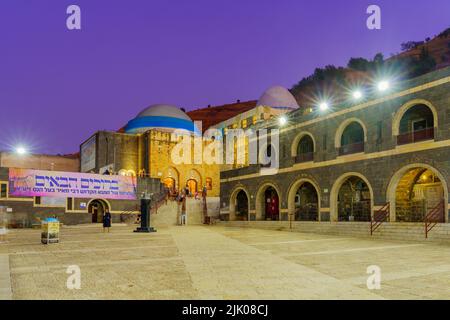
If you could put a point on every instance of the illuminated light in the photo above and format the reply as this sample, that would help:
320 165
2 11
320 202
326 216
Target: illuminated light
383 85
323 106
21 150
282 121
357 95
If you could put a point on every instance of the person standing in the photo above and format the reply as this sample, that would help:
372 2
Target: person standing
3 226
106 220
183 209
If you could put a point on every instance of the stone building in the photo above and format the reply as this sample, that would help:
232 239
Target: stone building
388 153
145 148
142 149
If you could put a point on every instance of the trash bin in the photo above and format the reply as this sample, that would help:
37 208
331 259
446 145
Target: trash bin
50 231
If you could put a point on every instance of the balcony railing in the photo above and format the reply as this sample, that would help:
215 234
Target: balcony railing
304 157
416 136
351 148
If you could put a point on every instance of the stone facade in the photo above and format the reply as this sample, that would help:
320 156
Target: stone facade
380 164
151 153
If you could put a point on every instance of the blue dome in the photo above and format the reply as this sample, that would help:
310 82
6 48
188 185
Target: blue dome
160 116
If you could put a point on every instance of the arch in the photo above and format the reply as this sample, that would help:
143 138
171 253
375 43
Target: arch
336 188
192 186
297 140
398 175
194 175
260 197
233 202
97 214
172 174
343 126
401 112
293 191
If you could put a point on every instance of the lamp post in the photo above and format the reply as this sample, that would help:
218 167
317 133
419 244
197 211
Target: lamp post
146 204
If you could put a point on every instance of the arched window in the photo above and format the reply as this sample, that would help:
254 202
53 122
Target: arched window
416 124
352 139
208 183
305 150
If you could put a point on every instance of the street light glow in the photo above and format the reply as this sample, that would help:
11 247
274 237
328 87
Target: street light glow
323 106
357 94
383 85
282 121
21 150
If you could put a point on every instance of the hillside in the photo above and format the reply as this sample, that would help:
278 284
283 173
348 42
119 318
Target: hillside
438 47
334 83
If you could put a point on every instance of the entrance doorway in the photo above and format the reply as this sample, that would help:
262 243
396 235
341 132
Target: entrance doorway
418 191
354 202
272 207
169 183
306 203
97 208
241 213
192 186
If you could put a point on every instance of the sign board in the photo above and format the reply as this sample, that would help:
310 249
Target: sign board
88 153
39 183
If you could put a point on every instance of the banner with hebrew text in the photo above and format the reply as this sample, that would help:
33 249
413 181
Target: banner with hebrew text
38 183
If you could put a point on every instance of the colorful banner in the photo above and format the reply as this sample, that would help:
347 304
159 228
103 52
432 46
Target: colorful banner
37 183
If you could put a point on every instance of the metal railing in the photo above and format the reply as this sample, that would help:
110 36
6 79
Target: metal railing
379 217
304 157
159 200
416 136
433 217
351 148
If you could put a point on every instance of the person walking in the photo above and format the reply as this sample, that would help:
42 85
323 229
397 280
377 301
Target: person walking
106 220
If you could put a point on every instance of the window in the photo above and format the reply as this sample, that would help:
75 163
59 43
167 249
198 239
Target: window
208 184
255 118
37 200
69 204
379 131
244 123
352 139
417 124
305 150
3 190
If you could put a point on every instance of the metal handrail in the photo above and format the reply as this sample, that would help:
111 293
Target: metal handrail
415 136
351 148
379 217
433 217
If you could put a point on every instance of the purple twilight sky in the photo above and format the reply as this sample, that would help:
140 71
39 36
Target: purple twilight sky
57 87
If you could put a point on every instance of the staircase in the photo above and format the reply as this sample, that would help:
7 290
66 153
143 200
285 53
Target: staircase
433 217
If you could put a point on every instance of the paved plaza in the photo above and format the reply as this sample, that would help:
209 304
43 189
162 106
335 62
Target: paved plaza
198 262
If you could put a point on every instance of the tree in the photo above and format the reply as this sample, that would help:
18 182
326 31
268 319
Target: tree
359 64
406 46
